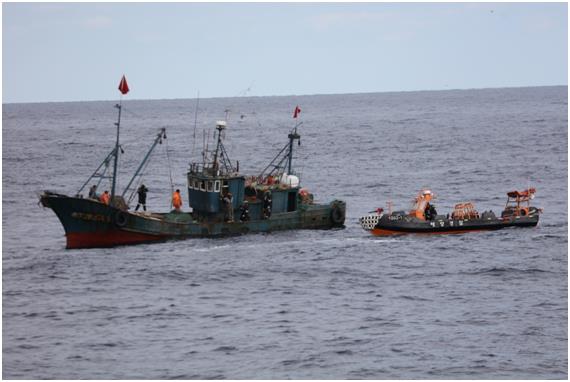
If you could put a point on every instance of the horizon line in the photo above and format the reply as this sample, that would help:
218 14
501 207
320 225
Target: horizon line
292 95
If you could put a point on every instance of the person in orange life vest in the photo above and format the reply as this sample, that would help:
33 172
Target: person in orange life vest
105 198
176 200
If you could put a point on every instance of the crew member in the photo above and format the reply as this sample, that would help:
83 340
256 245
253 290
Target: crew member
427 211
177 200
433 211
267 205
142 197
93 192
228 207
244 211
105 197
430 212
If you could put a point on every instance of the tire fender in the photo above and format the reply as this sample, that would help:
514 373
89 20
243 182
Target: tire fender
121 219
337 215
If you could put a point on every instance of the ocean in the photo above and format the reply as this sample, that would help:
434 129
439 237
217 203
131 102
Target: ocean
331 304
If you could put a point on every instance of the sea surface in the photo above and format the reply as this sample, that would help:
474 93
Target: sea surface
327 304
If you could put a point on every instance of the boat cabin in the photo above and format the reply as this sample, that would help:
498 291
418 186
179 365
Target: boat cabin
518 203
213 183
205 192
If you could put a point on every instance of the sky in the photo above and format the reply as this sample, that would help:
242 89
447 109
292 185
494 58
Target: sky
79 51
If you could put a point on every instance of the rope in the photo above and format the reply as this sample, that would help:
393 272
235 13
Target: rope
169 171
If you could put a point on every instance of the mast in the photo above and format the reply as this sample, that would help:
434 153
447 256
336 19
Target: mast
220 126
124 89
118 124
292 136
284 158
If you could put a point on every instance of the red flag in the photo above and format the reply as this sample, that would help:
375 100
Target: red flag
297 111
123 86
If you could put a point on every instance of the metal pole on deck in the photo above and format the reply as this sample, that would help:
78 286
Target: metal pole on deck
290 151
124 89
292 136
118 124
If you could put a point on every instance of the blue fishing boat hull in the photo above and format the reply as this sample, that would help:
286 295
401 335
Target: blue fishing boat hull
91 224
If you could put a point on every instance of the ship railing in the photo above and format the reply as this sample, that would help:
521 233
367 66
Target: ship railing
208 170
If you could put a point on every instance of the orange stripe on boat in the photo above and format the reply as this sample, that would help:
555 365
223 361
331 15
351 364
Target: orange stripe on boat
385 232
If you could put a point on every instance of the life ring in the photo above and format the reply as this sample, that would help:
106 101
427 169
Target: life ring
337 215
523 212
121 219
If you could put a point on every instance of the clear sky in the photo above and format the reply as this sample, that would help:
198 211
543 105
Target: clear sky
79 51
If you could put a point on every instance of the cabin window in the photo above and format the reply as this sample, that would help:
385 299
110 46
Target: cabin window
210 186
191 183
202 186
196 184
217 186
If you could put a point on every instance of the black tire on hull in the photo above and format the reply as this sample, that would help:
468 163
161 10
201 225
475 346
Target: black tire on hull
337 215
121 219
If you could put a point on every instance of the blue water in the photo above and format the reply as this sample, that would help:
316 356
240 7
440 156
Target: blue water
300 304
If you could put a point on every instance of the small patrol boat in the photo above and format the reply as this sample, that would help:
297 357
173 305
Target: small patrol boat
424 219
224 202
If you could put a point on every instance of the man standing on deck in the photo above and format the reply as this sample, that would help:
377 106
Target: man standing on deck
93 192
228 207
142 197
176 200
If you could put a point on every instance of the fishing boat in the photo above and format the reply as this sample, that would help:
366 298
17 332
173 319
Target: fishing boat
424 219
223 201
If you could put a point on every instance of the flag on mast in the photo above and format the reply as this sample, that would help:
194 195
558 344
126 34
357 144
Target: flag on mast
297 111
123 86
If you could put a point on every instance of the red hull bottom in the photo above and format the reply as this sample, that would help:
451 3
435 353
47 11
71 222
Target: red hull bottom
109 239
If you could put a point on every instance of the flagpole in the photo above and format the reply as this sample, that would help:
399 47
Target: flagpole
124 89
118 124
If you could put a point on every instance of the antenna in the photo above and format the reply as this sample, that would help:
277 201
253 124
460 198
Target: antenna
195 123
203 148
